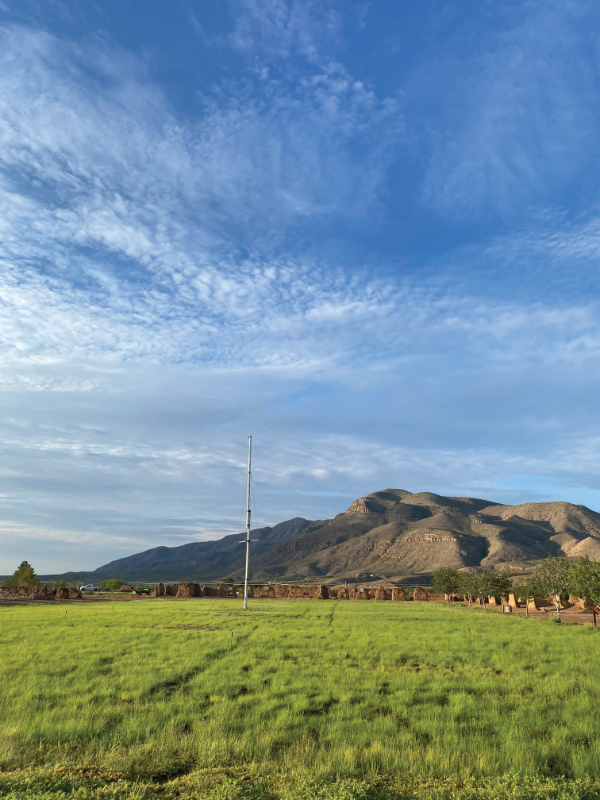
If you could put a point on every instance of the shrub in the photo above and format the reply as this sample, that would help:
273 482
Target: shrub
111 585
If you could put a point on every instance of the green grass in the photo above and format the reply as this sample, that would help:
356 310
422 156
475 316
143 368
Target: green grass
366 699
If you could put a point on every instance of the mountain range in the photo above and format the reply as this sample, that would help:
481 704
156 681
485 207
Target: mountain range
392 535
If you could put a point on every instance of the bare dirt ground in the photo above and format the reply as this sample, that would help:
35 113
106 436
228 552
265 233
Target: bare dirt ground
571 615
78 601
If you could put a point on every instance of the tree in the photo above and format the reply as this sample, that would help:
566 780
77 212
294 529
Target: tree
111 585
525 590
480 585
485 583
494 584
468 586
551 579
585 579
23 576
447 581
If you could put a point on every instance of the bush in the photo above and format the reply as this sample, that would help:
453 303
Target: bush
111 585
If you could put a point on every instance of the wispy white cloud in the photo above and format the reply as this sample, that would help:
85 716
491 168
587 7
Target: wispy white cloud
522 116
86 130
281 28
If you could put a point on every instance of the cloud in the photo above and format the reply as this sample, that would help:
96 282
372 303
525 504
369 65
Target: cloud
520 117
86 134
117 220
170 283
279 29
173 483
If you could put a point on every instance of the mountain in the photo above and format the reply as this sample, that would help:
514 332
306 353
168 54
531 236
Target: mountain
389 535
202 560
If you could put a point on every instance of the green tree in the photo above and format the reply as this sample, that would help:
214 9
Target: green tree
468 586
447 581
111 585
480 585
585 579
551 579
484 584
524 590
23 576
495 584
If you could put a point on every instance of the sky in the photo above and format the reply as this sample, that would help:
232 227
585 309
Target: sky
368 234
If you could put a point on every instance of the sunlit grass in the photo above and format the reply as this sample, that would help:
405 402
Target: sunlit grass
155 689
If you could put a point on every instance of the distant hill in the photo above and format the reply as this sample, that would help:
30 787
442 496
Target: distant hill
388 535
202 560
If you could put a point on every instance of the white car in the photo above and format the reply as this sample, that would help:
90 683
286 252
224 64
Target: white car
89 587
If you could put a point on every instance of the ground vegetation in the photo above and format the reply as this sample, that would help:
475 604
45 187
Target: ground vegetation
294 699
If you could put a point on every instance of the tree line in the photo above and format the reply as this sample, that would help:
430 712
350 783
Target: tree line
554 577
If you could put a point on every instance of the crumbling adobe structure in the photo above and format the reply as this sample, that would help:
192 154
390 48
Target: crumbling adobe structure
286 592
299 592
275 591
188 590
39 593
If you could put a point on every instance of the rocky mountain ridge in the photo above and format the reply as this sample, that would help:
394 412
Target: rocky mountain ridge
392 535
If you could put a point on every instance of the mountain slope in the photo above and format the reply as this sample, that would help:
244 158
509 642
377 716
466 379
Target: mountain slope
390 534
209 560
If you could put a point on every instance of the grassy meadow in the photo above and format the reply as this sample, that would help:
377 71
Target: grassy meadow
322 699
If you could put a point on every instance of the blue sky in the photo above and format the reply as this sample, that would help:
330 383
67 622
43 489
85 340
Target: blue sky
368 234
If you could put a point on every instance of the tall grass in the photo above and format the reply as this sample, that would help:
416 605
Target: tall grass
155 689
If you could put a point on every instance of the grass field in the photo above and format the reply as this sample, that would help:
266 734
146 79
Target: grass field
309 699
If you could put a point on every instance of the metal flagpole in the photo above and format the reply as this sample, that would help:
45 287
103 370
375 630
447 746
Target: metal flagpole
248 523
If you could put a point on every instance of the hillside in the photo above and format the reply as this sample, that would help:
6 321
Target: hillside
203 560
388 535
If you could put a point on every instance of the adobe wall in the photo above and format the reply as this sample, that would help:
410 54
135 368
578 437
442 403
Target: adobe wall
367 593
38 593
290 592
299 592
275 591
